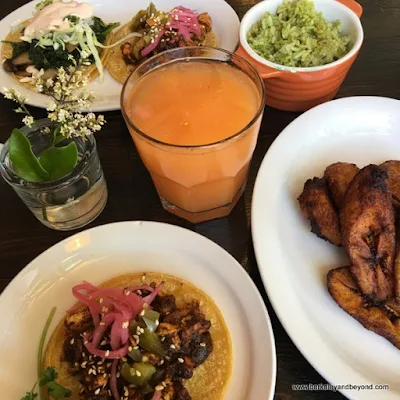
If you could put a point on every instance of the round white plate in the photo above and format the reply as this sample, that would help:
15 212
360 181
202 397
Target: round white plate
100 253
225 24
294 263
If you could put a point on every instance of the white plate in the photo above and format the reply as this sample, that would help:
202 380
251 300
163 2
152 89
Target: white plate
101 253
294 263
225 25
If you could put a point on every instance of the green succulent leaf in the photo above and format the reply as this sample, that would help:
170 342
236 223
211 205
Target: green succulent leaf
59 161
24 162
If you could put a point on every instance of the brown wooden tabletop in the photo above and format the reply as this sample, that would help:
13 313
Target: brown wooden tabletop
133 197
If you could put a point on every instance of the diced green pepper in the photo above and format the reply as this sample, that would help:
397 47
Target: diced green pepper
151 319
151 342
136 355
137 374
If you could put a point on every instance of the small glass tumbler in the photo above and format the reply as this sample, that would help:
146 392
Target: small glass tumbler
197 182
67 203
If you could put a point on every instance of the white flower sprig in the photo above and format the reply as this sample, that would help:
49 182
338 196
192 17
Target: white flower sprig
68 98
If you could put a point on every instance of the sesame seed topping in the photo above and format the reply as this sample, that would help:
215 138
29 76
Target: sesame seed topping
130 348
103 343
161 362
97 391
172 346
163 383
138 373
157 322
101 300
132 371
202 344
136 337
107 353
181 360
125 325
104 375
162 338
145 359
102 323
142 313
141 330
83 365
159 388
83 354
85 342
126 391
76 364
118 374
136 347
127 293
72 341
139 292
143 277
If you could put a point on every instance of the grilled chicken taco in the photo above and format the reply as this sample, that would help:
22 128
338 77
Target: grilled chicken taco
158 31
140 337
56 36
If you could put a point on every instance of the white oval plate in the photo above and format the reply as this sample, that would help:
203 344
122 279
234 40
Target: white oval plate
100 253
294 263
225 24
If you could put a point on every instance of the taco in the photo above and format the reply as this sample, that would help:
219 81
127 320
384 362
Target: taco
139 337
56 37
159 31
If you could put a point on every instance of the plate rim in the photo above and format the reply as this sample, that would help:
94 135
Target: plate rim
43 101
301 343
9 289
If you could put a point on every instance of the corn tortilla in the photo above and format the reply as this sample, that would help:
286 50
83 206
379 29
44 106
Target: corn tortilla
14 36
209 380
116 65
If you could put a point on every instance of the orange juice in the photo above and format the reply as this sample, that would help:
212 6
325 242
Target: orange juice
192 113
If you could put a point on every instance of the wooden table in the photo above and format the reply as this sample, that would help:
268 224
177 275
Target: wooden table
133 197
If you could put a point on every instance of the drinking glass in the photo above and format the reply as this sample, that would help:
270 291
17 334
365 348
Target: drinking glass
67 203
200 182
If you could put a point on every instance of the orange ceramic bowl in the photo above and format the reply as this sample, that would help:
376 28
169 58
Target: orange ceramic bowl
299 89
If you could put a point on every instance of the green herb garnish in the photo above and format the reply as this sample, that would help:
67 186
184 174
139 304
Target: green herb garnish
101 30
48 377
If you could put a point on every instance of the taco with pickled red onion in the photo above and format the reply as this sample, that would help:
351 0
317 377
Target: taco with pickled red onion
57 35
141 337
158 31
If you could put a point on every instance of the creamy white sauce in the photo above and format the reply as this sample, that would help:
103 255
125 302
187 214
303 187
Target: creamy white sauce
51 17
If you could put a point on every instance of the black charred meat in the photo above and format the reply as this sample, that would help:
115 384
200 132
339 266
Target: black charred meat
185 343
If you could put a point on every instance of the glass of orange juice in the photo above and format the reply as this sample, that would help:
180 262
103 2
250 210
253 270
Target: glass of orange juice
194 114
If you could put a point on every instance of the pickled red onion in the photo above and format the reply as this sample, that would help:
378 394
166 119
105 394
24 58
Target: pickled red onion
113 380
108 354
117 308
156 395
152 46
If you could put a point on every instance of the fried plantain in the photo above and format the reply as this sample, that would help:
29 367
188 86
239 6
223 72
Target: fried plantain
345 292
368 232
338 178
317 207
393 170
